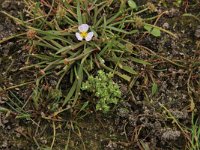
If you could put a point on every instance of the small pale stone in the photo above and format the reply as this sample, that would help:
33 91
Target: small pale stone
166 25
197 33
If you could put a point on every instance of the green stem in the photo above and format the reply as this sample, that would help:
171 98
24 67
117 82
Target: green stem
141 11
11 37
16 86
161 29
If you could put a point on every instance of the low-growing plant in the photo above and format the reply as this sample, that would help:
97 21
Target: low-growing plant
104 89
69 39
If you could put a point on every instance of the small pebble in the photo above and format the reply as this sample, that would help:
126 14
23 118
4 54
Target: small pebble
197 33
166 25
1 28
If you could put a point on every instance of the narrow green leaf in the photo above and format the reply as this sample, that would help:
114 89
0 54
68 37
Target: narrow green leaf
36 9
128 69
123 76
154 88
23 116
56 44
53 32
45 44
71 92
84 106
78 87
121 30
114 17
97 11
71 47
71 76
140 61
70 21
79 13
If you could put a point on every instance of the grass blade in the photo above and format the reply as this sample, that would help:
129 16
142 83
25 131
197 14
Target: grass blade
79 16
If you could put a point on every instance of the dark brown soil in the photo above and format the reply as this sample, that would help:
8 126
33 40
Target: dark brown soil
142 120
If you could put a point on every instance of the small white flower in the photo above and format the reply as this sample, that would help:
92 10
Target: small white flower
83 34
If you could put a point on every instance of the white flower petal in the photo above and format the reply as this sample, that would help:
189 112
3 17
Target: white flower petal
83 28
89 36
78 36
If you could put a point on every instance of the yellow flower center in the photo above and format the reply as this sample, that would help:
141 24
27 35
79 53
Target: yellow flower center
84 34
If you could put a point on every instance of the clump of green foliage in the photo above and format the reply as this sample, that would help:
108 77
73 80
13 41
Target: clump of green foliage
104 89
53 49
